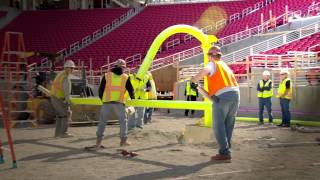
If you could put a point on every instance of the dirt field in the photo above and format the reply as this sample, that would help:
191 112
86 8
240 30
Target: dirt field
160 155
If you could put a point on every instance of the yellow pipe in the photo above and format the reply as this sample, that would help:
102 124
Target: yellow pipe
206 43
198 105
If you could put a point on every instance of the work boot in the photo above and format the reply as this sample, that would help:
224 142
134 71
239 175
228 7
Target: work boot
124 142
64 135
221 157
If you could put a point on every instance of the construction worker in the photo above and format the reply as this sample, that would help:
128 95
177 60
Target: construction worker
141 89
285 96
265 93
60 99
112 89
224 90
191 94
152 95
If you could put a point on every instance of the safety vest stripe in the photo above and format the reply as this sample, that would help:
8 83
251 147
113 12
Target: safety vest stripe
108 79
115 88
230 78
222 74
122 90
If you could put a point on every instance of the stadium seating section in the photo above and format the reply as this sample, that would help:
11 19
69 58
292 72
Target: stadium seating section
51 31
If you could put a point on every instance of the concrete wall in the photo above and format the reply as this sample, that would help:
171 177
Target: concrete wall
304 106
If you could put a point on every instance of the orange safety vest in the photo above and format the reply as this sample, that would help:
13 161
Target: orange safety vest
222 78
115 87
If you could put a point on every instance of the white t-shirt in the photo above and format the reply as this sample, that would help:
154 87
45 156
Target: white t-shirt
212 70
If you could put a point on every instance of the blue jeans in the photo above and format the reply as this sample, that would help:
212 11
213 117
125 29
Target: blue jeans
137 119
147 115
106 110
286 116
265 102
225 109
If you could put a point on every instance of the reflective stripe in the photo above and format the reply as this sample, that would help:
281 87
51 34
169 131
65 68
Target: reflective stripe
226 72
123 87
109 80
265 93
222 78
222 74
57 85
189 90
282 89
113 86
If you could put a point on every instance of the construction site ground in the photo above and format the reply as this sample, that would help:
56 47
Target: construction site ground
163 154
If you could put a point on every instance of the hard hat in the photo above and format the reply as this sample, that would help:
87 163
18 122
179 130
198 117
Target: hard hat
284 71
214 50
69 64
121 63
266 73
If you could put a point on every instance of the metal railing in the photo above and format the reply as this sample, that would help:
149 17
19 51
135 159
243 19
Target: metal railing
305 69
99 33
293 59
242 35
221 23
273 42
314 47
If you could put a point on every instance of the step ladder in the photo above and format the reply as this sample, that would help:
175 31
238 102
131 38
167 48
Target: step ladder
16 80
6 124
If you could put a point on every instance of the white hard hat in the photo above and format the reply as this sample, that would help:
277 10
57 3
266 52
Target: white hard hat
69 64
121 63
284 71
266 73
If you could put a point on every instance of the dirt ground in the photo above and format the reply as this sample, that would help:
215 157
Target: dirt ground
40 156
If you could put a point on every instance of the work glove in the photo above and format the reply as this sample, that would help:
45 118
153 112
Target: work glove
67 102
194 86
130 110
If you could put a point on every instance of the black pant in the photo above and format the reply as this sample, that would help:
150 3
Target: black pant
190 98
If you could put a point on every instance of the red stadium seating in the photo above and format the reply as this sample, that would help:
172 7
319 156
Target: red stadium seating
299 45
137 35
3 14
251 20
51 31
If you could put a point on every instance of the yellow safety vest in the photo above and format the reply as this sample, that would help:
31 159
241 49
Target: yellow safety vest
139 87
115 87
189 90
57 85
265 93
152 94
282 89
